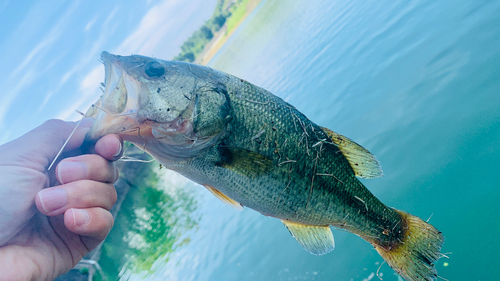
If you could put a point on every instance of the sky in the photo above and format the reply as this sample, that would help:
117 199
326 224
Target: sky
50 50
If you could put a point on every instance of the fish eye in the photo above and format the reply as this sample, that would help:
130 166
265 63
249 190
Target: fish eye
154 69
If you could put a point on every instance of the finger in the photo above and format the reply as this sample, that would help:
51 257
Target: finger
44 142
86 167
92 222
110 147
79 194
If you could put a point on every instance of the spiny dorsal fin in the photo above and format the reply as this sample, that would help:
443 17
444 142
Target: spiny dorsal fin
243 161
224 198
317 240
364 164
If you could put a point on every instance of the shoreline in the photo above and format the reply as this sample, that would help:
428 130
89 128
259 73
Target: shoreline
222 36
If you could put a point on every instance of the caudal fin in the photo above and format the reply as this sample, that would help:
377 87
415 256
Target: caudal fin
414 257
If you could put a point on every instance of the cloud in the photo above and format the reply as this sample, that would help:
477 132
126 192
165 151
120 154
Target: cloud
82 104
46 42
90 24
157 30
148 28
49 39
25 80
88 93
89 85
28 67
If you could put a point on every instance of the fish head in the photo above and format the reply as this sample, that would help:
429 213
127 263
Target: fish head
171 109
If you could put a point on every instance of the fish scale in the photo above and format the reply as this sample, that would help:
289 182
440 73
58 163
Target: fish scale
258 103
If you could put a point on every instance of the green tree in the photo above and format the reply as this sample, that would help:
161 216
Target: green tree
218 22
207 32
188 57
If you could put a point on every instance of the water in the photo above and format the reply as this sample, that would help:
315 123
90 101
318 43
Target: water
415 82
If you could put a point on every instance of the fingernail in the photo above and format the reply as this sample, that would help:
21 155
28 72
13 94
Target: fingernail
119 150
53 199
87 122
80 217
69 171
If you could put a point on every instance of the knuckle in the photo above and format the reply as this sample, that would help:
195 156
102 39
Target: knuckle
54 125
96 194
100 169
103 222
113 195
90 197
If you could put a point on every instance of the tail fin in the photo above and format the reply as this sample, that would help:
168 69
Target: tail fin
414 257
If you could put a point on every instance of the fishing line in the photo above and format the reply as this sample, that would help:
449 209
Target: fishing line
66 142
132 159
114 115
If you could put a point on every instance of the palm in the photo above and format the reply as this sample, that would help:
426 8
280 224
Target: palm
43 243
43 240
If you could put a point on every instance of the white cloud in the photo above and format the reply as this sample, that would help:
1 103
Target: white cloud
148 28
49 39
160 25
88 93
46 42
89 85
28 67
91 82
90 24
82 104
156 31
25 80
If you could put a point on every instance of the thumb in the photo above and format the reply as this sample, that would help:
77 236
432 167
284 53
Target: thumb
37 148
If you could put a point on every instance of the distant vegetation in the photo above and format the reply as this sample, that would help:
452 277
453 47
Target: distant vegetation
238 11
195 44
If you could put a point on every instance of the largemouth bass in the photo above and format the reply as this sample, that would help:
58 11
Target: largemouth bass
250 148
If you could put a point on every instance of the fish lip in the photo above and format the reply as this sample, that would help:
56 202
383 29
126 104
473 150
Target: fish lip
111 63
105 119
107 57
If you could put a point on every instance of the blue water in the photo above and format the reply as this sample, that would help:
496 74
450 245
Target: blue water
415 82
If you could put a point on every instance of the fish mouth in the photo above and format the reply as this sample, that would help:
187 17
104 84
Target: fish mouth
116 110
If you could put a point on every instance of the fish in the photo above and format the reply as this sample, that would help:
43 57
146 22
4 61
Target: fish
251 149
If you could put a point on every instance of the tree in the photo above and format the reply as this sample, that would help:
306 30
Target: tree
218 22
188 56
207 33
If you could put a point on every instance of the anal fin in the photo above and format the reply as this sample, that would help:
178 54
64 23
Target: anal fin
364 164
222 197
317 240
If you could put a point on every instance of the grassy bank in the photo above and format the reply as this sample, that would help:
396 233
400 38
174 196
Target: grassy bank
237 15
205 42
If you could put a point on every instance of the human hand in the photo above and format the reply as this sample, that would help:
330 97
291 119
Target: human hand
49 220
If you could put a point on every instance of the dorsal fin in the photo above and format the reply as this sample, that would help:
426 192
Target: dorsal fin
317 240
222 197
364 164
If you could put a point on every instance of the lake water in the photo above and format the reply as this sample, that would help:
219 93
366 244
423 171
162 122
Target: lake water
415 82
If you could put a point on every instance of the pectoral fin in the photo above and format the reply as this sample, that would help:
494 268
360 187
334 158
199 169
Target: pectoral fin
317 240
243 161
364 164
224 198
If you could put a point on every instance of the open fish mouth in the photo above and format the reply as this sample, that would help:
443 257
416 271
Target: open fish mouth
116 110
131 108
